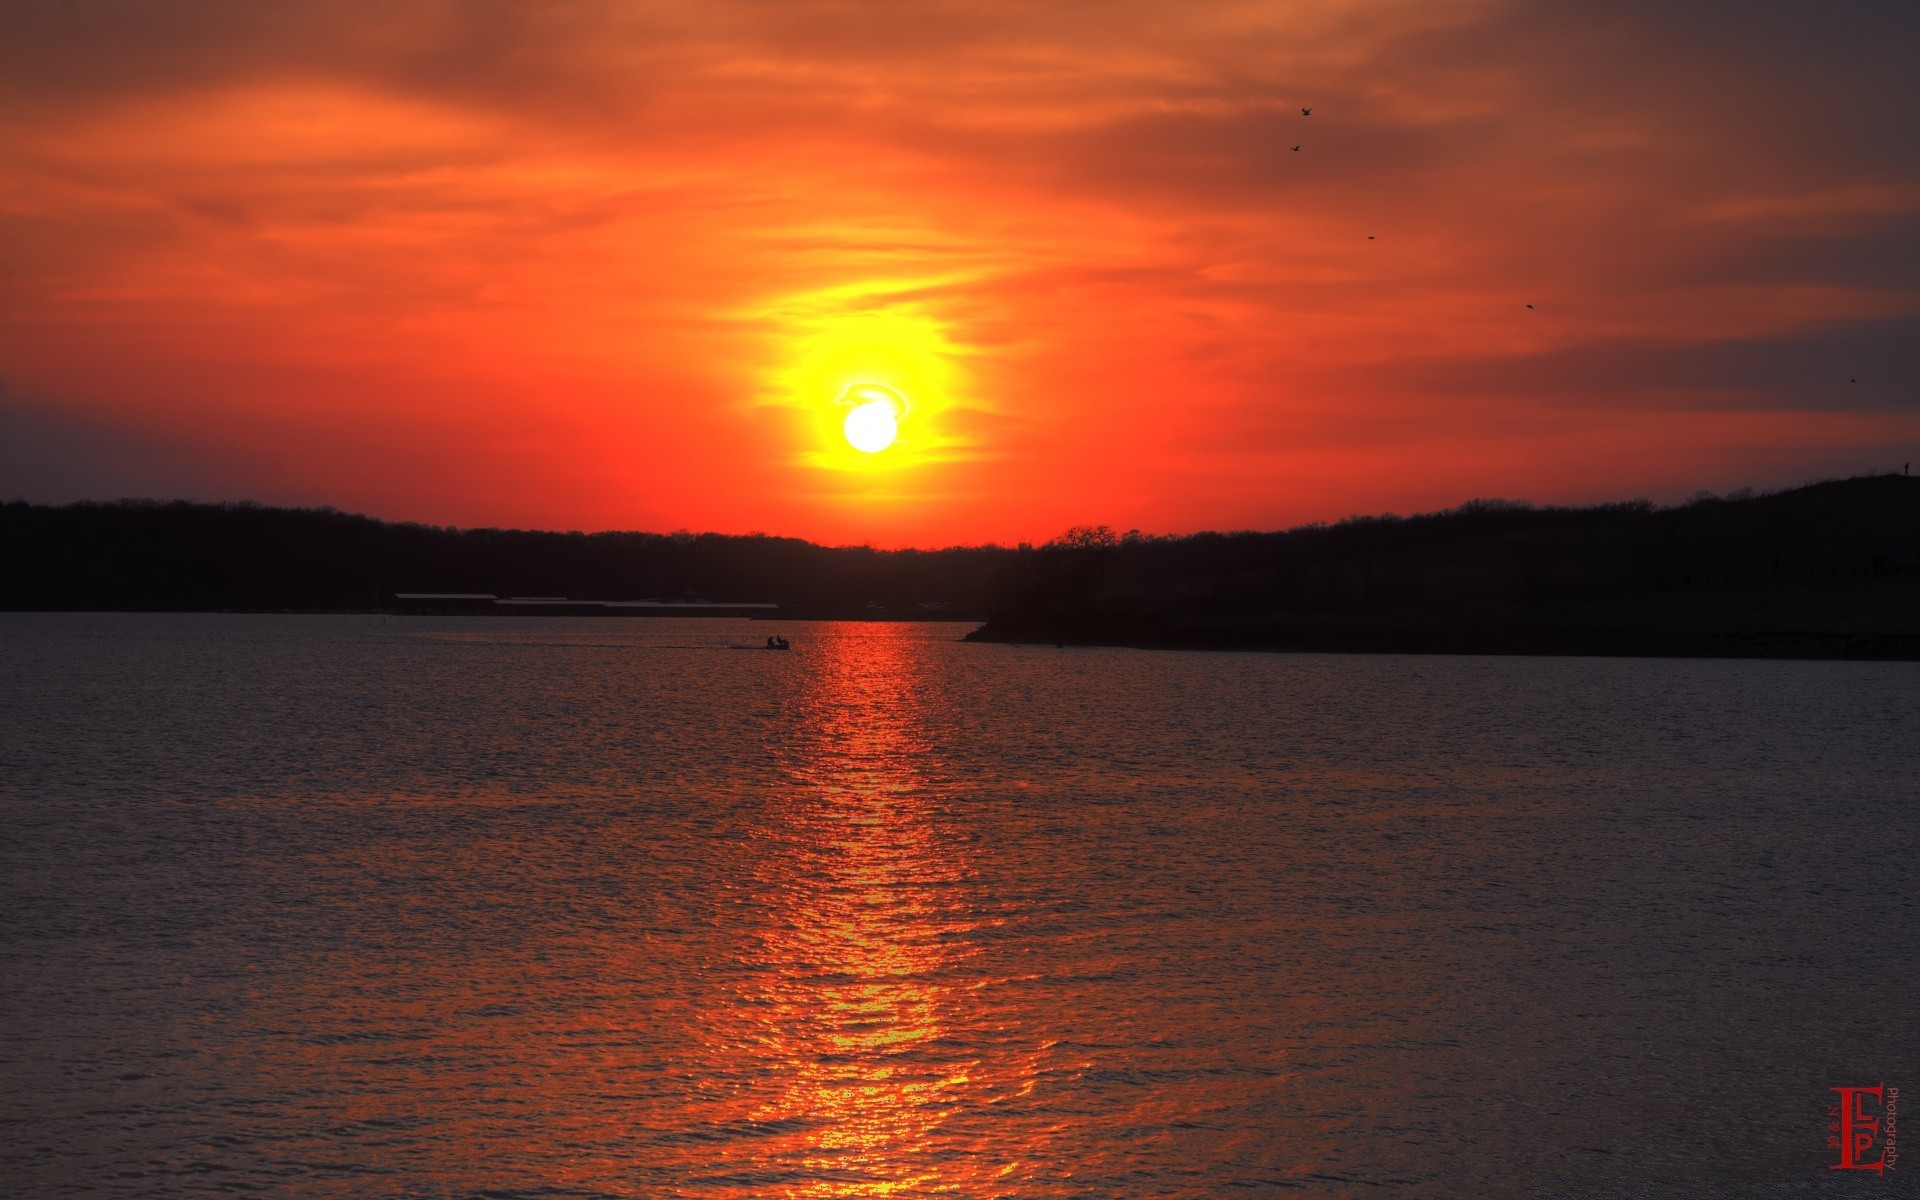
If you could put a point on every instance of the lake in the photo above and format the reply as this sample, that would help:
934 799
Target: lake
378 906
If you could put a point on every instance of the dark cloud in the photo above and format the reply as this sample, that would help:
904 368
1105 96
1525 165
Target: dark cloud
1855 367
51 456
1883 253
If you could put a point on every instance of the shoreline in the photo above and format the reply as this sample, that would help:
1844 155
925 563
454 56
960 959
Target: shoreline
1597 643
1785 645
937 616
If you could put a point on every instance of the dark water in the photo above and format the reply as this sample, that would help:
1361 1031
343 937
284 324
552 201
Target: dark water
410 907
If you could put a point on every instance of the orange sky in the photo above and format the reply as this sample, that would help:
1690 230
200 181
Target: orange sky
611 265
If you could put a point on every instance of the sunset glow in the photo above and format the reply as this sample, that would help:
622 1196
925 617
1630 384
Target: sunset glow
611 266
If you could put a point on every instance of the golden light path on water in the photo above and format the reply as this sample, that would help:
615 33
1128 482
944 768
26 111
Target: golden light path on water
853 1000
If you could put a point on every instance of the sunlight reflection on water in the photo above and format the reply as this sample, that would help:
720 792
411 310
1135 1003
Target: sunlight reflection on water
348 907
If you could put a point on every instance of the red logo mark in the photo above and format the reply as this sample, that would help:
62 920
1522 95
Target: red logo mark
1863 1120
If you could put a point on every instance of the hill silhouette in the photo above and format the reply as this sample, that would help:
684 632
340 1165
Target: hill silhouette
144 555
1827 570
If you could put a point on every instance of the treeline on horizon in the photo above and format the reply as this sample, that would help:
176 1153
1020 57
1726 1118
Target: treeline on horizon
180 556
1840 554
1838 561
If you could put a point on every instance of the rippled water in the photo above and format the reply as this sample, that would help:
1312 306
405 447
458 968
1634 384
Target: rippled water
428 907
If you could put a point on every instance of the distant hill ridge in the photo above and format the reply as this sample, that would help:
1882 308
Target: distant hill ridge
1827 570
177 556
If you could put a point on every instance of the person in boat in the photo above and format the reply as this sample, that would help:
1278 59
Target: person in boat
773 643
780 643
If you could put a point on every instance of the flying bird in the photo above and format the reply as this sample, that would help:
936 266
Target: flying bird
1296 149
1369 237
1306 112
1529 306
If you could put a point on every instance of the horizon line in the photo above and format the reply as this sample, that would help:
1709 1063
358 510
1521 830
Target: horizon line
1490 503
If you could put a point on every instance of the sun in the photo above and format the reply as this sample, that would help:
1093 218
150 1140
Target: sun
875 419
837 354
872 427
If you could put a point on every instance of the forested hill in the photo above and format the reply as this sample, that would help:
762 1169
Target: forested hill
1831 569
147 555
1827 570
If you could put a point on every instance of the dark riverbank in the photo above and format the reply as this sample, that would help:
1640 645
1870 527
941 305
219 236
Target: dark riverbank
1831 570
154 556
1621 643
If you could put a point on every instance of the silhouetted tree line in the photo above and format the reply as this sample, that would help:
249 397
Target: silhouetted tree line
150 555
1839 558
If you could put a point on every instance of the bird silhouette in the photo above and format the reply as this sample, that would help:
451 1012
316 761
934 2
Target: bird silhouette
1306 112
1296 149
1529 306
1369 237
1853 381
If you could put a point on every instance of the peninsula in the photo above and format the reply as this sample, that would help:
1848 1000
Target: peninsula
1830 570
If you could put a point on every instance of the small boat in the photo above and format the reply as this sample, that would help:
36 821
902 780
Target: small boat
771 644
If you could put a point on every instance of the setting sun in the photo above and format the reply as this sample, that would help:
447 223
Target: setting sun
874 423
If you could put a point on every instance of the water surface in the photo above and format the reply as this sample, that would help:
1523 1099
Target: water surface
342 907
